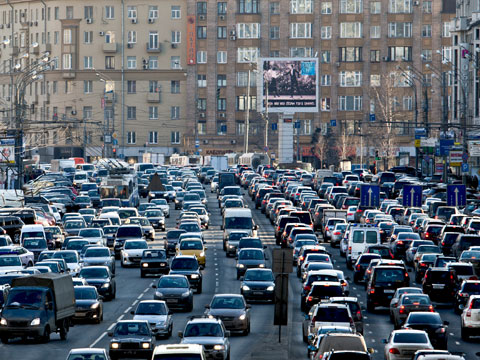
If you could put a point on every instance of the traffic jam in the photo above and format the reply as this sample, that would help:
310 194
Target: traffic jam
384 265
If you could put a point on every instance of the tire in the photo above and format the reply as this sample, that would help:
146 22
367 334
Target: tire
238 275
64 331
142 274
190 307
370 307
46 335
169 335
121 263
305 338
464 334
199 289
4 340
356 280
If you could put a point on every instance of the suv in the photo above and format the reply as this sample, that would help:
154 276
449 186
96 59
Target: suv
355 309
467 289
383 283
187 265
322 290
440 284
470 325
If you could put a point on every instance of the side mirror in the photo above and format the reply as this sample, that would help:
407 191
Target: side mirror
154 286
241 278
132 312
264 246
227 333
307 317
207 306
248 306
100 297
180 334
384 341
110 333
371 350
446 323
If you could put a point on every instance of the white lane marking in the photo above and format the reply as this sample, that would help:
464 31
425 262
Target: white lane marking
457 343
144 291
127 309
217 283
135 303
365 317
140 296
111 327
354 288
120 318
98 339
373 340
452 334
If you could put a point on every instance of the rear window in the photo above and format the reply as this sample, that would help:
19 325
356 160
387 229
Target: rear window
389 275
422 318
410 338
365 259
371 237
462 269
438 276
332 314
304 217
471 287
326 292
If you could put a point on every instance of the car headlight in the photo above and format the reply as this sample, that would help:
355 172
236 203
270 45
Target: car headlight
211 317
114 345
271 288
158 293
3 322
94 306
35 322
202 254
261 265
231 246
106 285
242 317
194 276
245 288
144 265
151 194
146 345
219 347
186 293
241 266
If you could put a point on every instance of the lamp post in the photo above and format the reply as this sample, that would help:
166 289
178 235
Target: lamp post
106 127
247 115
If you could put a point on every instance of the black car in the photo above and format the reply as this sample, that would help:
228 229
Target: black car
132 339
188 265
171 240
109 232
467 288
362 264
432 324
383 282
249 258
175 290
440 284
88 304
258 285
102 279
154 261
322 290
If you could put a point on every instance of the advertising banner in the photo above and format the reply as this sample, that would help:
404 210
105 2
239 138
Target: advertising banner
7 150
191 40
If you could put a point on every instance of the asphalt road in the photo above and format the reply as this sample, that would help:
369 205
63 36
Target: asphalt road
219 276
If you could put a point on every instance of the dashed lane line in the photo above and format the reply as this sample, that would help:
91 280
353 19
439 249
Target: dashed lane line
99 339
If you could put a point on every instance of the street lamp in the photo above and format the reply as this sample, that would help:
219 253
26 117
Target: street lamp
247 115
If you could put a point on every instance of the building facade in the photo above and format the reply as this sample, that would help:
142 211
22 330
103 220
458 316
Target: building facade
117 86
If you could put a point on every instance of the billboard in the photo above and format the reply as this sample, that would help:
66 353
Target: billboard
288 85
191 40
7 150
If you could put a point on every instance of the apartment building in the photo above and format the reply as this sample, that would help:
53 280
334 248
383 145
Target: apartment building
117 87
360 44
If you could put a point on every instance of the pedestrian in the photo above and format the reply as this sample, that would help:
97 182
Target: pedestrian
294 74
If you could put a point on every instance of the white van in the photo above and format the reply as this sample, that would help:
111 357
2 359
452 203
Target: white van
113 216
235 219
359 238
179 352
32 231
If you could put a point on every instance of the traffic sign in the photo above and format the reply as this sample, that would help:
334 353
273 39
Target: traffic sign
456 195
369 195
333 122
372 117
465 168
265 149
420 132
412 195
465 157
456 154
445 146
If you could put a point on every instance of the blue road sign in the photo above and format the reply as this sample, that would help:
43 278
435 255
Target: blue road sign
456 195
372 117
465 168
445 146
333 122
370 195
412 195
297 124
420 132
274 126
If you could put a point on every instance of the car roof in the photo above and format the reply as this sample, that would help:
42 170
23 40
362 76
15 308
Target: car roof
89 350
326 283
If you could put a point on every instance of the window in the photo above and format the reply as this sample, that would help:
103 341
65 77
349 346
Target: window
67 61
175 137
374 55
201 80
400 6
427 79
201 57
350 103
131 62
240 128
174 86
375 7
242 79
202 104
274 53
69 12
301 30
446 30
221 32
131 137
153 112
221 104
88 62
351 30
221 57
87 86
109 62
351 6
407 103
221 80
427 7
153 62
242 104
400 53
68 89
247 54
326 32
325 80
301 52
109 12
67 36
427 30
325 104
152 137
374 80
132 37
201 128
175 12
248 6
400 30
175 112
110 37
350 78
326 8
87 37
201 32
132 12
447 53
56 35
88 12
301 6
153 40
153 12
274 8
248 31
426 55
221 128
399 80
131 112
325 56
56 14
131 86
375 32
176 37
350 54
221 8
153 87
201 8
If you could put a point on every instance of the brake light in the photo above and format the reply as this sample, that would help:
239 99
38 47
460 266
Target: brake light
359 211
464 295
326 228
349 248
474 277
310 298
301 258
427 235
402 309
469 313
359 315
358 267
436 216
372 291
430 308
399 242
349 214
337 233
441 330
307 288
394 351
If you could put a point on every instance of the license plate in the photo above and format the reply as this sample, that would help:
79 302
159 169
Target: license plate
388 291
257 293
80 314
438 286
172 300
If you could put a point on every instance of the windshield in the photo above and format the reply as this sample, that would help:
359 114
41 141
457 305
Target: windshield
190 227
25 298
131 328
90 272
157 254
154 213
140 221
97 253
74 225
32 234
110 230
87 356
89 233
238 223
77 244
418 318
69 257
34 243
237 235
206 329
126 213
129 231
85 293
224 302
191 245
300 243
462 269
151 308
184 264
250 255
10 261
258 275
172 282
410 338
136 245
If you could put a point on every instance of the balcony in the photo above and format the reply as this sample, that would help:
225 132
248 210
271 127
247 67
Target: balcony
154 48
68 74
110 47
14 50
154 97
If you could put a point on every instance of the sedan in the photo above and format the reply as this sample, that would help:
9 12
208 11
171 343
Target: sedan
93 235
99 255
409 303
157 314
175 291
162 204
232 310
132 251
88 304
102 279
249 258
398 293
87 353
402 344
154 261
432 324
258 284
132 339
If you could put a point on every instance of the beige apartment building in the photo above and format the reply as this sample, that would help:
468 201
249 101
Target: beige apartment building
118 82
363 46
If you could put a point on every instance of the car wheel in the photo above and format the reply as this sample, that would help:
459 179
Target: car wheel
142 274
190 307
457 309
370 306
355 278
238 275
46 335
464 334
121 263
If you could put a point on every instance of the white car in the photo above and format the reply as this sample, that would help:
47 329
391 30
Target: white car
72 259
93 235
402 344
162 204
470 325
157 314
351 213
10 263
132 252
214 184
27 258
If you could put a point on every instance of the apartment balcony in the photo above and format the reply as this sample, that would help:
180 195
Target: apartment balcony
110 47
154 97
154 48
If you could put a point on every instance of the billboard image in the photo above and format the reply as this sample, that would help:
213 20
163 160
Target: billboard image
7 150
288 85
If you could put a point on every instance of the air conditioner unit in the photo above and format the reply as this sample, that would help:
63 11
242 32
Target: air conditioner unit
101 33
130 46
202 115
233 33
222 17
134 20
222 115
89 21
385 58
233 37
201 17
416 3
174 46
205 141
74 112
233 142
151 20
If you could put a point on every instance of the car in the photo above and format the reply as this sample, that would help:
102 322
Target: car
327 314
398 293
408 303
346 354
147 228
384 280
402 344
154 261
93 235
362 264
210 333
72 260
258 285
88 304
102 279
467 289
232 242
232 309
162 204
427 260
158 315
249 258
332 342
156 218
432 324
314 339
355 309
87 353
109 232
470 319
175 291
440 284
10 263
132 339
132 251
193 247
27 258
188 265
323 290
98 255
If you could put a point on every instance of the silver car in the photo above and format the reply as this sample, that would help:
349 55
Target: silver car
210 333
158 315
99 255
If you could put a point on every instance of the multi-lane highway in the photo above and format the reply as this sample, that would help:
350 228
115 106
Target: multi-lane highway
220 277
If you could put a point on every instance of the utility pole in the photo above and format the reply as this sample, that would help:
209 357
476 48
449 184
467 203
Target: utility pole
247 115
